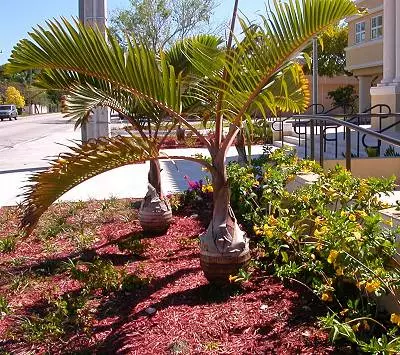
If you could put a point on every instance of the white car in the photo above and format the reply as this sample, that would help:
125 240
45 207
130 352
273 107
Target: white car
8 111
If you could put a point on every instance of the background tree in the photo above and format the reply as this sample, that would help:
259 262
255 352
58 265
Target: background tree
331 53
13 96
158 23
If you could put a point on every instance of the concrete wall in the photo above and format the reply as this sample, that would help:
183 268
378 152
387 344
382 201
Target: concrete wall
367 167
326 84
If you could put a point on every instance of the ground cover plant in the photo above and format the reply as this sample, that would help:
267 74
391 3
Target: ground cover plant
125 292
272 82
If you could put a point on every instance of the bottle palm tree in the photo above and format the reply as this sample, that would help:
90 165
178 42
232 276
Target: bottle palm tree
255 73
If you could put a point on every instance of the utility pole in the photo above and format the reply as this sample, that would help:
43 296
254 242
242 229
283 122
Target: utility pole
94 13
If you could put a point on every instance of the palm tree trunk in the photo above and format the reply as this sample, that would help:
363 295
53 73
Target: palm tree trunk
241 149
224 247
155 213
154 176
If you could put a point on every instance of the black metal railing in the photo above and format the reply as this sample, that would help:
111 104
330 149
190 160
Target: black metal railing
349 126
301 127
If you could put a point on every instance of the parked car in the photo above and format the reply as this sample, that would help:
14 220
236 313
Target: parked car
8 111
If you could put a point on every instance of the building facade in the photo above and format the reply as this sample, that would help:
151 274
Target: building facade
364 54
373 53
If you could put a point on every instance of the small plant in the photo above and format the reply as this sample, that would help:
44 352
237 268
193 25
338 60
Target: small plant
4 307
7 244
61 316
20 282
83 240
53 226
242 276
134 245
179 347
96 275
188 242
131 282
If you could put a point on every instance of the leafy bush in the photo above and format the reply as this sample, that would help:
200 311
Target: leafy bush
327 235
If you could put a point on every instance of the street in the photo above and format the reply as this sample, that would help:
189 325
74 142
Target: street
26 142
25 145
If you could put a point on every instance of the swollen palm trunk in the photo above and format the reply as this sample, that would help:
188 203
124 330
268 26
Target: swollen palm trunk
155 214
224 248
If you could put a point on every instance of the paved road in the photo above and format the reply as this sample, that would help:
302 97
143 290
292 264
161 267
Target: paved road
26 142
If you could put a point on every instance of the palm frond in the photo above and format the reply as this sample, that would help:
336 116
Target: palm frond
84 50
71 169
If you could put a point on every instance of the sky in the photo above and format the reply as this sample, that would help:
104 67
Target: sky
20 16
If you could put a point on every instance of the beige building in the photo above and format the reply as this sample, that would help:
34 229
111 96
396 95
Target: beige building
373 53
364 53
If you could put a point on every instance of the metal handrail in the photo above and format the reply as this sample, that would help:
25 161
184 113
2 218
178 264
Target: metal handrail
349 126
381 130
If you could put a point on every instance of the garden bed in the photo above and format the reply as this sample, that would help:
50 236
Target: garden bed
88 280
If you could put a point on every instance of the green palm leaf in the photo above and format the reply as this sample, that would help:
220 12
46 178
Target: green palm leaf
71 169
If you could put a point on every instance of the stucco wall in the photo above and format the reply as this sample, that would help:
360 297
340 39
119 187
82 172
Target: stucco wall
367 167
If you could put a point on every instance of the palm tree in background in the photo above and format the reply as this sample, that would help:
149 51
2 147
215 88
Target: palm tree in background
255 73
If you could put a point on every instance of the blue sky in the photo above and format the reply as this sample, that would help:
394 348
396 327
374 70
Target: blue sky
19 16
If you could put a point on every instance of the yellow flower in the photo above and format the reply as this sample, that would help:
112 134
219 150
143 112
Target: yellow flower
344 312
388 222
395 318
332 256
373 285
319 220
319 233
361 213
355 327
207 188
352 217
339 271
326 297
343 214
232 278
357 235
269 233
272 220
257 230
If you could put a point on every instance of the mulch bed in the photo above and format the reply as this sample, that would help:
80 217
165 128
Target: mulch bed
191 317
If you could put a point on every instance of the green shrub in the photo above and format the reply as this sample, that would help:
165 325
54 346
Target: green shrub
327 235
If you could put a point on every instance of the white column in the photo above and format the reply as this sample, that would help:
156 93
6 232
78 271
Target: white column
397 33
364 97
389 41
94 13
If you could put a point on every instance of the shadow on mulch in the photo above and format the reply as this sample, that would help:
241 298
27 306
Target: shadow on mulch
53 266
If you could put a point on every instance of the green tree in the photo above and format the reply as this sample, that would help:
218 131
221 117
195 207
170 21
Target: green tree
158 23
331 53
270 82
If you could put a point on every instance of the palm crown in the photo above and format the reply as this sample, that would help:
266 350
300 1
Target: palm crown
254 74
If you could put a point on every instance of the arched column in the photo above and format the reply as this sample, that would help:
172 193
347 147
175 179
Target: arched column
389 41
364 96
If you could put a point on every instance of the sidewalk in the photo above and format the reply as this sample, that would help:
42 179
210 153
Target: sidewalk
125 182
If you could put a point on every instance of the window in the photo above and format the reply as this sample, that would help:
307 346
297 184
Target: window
360 32
376 27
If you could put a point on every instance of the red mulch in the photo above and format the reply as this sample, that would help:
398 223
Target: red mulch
192 317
